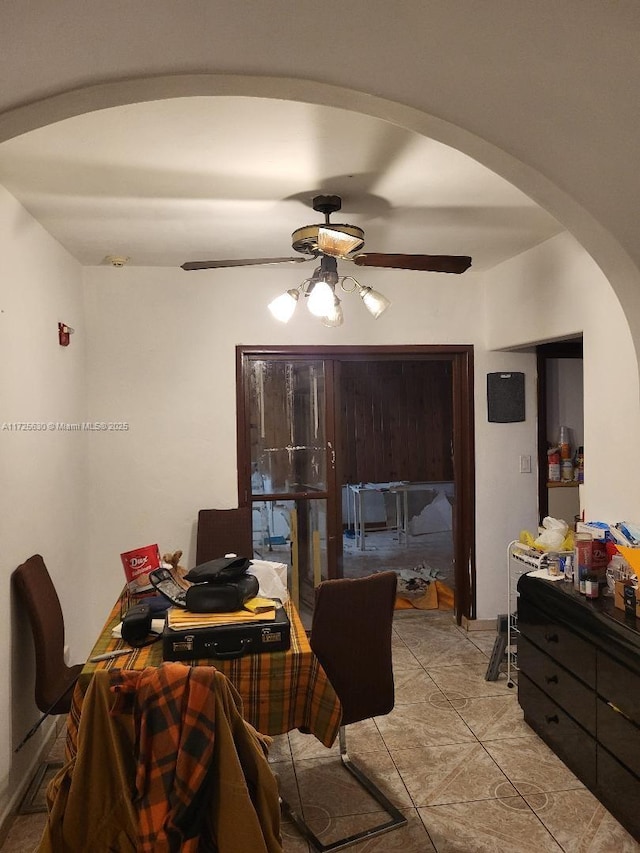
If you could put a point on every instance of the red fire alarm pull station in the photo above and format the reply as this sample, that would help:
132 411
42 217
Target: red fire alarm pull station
64 334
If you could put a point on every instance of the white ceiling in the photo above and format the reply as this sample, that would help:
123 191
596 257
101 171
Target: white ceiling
228 177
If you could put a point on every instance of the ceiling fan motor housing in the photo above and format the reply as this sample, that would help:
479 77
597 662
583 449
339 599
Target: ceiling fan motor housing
327 204
305 239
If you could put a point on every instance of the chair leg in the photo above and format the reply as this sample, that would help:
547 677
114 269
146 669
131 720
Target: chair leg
397 818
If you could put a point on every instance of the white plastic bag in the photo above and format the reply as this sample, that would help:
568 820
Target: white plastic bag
272 578
553 535
556 524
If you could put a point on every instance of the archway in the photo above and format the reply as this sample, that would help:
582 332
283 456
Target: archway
620 270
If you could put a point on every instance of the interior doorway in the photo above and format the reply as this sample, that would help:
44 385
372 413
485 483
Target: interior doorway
396 470
560 403
321 430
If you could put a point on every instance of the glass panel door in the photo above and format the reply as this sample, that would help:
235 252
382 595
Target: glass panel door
292 464
287 421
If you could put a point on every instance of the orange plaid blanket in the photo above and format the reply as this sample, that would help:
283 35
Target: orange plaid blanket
280 691
174 711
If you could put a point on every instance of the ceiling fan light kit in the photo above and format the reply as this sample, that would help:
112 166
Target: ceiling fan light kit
334 317
283 306
331 242
375 302
320 301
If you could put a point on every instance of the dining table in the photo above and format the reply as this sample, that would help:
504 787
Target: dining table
281 691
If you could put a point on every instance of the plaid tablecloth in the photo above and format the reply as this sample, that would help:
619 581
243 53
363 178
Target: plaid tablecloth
281 691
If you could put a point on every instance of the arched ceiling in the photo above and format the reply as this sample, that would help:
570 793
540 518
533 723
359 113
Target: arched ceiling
230 177
546 92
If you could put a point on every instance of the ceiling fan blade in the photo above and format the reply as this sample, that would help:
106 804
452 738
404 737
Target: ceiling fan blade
426 263
241 262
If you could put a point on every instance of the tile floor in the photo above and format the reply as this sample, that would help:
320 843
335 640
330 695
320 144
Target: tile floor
455 755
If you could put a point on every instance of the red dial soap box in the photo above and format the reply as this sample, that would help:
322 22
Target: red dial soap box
137 565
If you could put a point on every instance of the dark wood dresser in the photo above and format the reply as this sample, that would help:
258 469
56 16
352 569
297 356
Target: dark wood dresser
579 688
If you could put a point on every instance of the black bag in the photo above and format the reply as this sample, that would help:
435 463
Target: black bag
136 625
221 597
220 570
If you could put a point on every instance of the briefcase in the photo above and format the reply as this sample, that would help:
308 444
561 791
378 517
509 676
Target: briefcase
225 642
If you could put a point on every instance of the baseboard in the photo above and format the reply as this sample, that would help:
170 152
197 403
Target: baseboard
478 624
20 787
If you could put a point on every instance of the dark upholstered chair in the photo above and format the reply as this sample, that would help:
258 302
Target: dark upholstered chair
224 531
351 637
54 679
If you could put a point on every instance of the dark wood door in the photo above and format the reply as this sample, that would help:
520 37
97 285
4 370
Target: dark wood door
427 390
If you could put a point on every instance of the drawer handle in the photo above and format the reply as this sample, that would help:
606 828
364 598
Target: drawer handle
551 679
552 719
551 638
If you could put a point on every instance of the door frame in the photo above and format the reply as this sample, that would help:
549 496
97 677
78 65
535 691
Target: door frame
461 358
554 350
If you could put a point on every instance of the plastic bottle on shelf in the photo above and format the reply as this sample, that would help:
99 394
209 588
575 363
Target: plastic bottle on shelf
566 471
565 446
568 568
582 556
553 564
579 465
617 569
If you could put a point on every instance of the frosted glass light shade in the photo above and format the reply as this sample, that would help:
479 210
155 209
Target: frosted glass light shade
320 300
375 302
284 305
335 316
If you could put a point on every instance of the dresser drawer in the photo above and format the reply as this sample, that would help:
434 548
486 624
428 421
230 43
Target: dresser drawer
619 791
557 729
559 642
578 700
620 736
619 685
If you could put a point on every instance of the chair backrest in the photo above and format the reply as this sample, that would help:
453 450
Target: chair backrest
36 590
224 531
351 637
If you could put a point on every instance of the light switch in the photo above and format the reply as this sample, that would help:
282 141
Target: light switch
525 464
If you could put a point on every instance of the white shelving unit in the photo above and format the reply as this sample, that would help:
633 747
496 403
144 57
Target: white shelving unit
520 560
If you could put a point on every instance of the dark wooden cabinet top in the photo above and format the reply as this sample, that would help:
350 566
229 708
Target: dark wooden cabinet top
596 620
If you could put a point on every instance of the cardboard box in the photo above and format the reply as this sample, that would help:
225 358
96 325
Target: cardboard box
596 532
137 565
627 598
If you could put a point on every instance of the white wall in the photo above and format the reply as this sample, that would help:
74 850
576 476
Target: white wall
42 473
506 500
161 357
554 291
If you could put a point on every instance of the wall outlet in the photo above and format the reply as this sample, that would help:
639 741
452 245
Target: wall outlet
525 464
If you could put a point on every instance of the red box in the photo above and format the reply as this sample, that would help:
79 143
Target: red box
137 565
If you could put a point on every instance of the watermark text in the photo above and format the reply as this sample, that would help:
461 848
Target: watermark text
64 426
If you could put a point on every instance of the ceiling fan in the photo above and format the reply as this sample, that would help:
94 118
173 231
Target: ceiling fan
329 243
341 241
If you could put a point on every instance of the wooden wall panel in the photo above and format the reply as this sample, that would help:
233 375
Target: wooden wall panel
397 420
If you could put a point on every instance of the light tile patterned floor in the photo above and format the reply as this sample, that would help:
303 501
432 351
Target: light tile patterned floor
455 755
